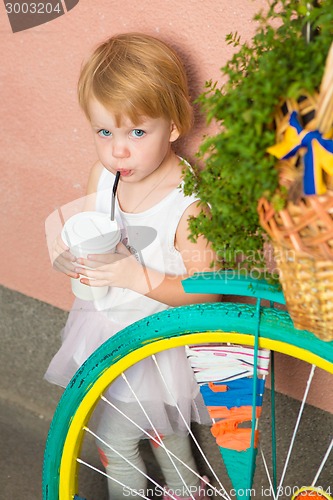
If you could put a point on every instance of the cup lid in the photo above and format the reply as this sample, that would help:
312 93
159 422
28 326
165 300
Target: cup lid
90 229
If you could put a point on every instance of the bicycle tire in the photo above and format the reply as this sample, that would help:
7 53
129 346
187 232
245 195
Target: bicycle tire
221 322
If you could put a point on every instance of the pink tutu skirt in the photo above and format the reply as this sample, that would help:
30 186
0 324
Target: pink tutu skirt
166 389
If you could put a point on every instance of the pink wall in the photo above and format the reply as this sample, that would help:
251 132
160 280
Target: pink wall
46 145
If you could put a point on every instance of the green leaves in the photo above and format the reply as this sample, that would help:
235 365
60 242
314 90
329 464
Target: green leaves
278 62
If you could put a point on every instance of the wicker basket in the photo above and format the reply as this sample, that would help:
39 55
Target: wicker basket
306 227
303 253
302 233
308 289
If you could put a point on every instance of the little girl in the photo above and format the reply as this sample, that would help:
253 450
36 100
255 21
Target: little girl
133 90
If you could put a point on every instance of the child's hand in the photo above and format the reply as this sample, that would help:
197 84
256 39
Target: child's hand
63 260
120 269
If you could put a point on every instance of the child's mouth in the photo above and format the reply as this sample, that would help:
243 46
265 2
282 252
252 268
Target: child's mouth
125 173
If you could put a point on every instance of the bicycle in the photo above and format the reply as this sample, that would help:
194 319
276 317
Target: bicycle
202 328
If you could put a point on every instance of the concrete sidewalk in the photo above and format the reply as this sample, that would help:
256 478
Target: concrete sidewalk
29 332
22 436
30 335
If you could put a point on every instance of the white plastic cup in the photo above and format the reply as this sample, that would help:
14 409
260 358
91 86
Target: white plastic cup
90 233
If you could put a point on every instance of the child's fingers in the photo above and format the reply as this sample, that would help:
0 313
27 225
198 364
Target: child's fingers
93 282
68 272
98 260
64 263
90 273
66 257
62 259
122 249
101 275
106 258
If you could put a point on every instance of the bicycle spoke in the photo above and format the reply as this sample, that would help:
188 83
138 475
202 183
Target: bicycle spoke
82 462
153 438
128 461
273 420
268 474
307 388
190 430
329 449
161 443
156 438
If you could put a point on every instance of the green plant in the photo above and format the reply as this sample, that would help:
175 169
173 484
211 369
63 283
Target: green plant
280 61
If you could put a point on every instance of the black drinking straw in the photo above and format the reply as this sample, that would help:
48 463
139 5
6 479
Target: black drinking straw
113 197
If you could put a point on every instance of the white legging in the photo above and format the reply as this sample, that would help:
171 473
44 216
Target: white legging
125 438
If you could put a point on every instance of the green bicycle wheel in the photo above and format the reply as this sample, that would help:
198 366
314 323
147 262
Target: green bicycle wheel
204 324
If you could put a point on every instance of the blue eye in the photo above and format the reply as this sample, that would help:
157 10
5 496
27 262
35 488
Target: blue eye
138 132
104 133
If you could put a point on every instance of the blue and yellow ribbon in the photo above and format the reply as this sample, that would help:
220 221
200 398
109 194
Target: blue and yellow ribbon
318 156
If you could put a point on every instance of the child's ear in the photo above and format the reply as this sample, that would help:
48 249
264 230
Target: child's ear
174 133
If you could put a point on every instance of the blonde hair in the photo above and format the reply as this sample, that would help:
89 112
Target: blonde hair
137 75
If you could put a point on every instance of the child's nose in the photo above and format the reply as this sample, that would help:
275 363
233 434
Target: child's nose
119 149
